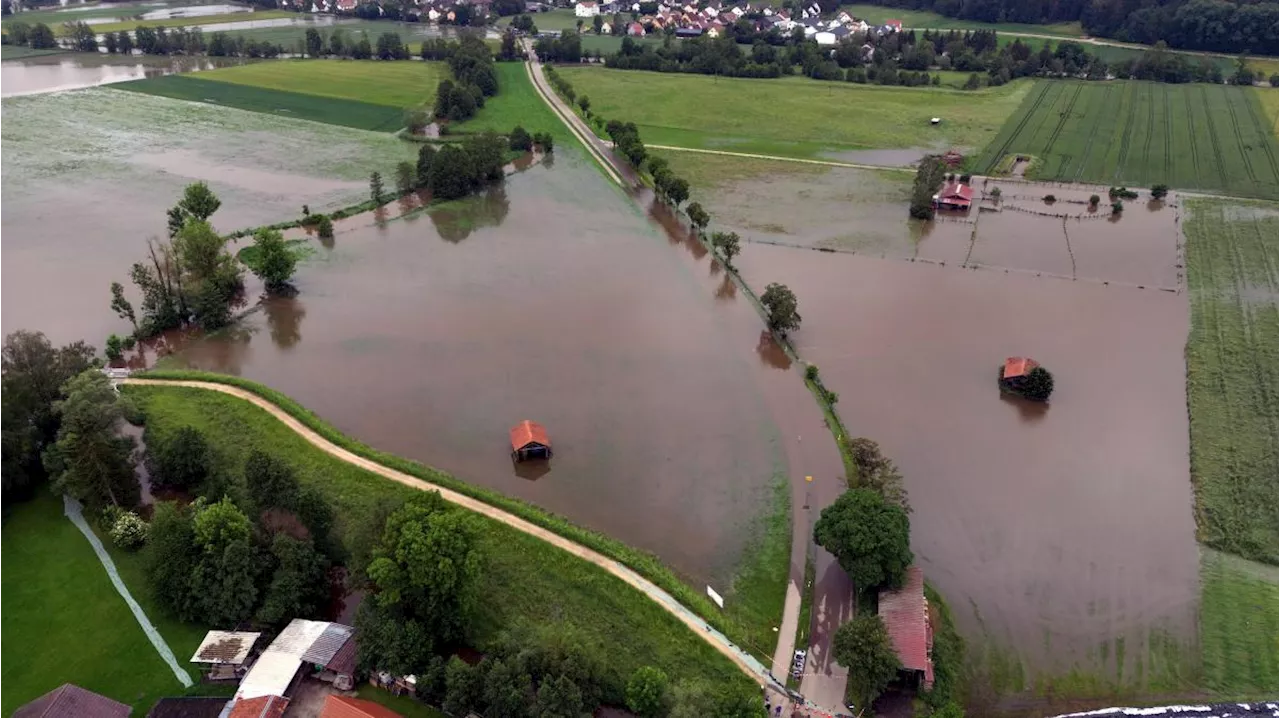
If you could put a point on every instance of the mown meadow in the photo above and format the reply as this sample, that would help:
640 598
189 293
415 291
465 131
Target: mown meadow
1196 136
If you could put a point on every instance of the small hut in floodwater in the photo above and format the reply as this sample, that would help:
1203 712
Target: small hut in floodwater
529 441
1014 372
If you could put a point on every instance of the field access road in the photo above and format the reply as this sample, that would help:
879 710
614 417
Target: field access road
743 660
823 682
828 163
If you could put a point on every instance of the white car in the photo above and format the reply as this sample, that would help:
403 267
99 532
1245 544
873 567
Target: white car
797 664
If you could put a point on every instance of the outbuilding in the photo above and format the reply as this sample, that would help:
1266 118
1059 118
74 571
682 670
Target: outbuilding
1015 371
954 196
905 613
529 441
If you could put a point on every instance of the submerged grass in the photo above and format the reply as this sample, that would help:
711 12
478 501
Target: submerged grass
525 580
1238 627
329 110
63 620
301 249
742 115
130 25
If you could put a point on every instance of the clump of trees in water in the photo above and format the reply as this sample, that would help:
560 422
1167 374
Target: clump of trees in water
929 177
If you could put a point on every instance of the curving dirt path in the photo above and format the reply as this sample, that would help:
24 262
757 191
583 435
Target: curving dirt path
744 661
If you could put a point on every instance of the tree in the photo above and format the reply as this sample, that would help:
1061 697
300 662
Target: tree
90 460
298 587
169 559
862 645
199 201
973 82
1159 191
426 155
876 472
780 305
1117 207
451 173
375 189
223 580
271 482
114 348
182 460
406 177
32 373
647 692
585 102
545 141
677 190
1274 79
276 263
121 306
1093 200
698 216
464 687
869 537
424 574
727 245
210 277
41 37
83 39
125 42
324 227
315 43
519 140
1038 385
560 697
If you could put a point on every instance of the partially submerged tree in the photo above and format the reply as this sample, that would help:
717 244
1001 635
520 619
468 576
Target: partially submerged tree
876 472
862 645
406 177
870 537
698 216
90 460
1159 191
121 306
520 140
276 262
727 245
1038 384
376 191
780 305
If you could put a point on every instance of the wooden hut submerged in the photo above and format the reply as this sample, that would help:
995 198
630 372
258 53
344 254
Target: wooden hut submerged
529 441
1013 373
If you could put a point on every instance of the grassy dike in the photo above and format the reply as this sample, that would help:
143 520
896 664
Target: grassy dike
237 427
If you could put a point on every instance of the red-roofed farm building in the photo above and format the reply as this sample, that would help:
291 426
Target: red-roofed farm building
905 613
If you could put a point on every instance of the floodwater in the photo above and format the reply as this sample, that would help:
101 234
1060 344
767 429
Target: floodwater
1055 529
54 73
551 298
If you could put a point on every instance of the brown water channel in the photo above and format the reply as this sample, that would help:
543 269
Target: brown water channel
550 298
53 73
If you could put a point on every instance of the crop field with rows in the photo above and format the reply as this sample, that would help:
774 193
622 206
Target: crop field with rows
1199 137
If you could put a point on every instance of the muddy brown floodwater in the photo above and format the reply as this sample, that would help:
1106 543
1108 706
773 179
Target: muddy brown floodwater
552 298
1051 529
53 73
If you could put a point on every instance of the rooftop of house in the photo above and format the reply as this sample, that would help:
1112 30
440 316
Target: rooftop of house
71 701
1018 366
905 613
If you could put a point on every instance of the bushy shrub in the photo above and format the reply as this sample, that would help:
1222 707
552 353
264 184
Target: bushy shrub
129 532
811 372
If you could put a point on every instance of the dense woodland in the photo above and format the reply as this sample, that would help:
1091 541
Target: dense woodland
1212 25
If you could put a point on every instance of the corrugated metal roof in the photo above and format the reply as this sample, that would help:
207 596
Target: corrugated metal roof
298 636
270 675
230 647
344 661
328 643
905 613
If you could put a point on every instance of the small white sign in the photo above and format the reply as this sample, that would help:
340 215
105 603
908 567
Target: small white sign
715 597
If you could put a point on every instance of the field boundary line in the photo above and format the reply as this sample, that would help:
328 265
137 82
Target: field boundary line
828 163
1124 138
1258 125
71 508
1017 130
743 660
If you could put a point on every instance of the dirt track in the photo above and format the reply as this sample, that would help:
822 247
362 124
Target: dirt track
741 659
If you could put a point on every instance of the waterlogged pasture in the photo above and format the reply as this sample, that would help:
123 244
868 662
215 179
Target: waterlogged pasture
1231 374
99 167
794 116
1197 136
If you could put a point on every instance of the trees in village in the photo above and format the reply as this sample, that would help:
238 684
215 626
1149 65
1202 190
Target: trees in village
32 374
423 574
870 537
90 460
862 645
780 305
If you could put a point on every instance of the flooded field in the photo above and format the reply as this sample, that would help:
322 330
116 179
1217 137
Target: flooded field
73 71
90 173
1055 530
430 336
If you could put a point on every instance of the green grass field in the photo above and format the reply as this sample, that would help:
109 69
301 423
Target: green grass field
792 117
57 17
395 84
517 103
1231 258
64 622
347 113
1202 137
554 20
525 580
932 20
1238 628
18 52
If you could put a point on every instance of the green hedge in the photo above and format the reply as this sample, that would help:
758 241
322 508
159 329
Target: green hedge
641 562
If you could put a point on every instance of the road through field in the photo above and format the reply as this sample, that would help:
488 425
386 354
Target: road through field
743 660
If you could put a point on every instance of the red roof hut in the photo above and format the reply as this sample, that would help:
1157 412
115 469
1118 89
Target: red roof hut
1015 371
529 441
905 613
954 196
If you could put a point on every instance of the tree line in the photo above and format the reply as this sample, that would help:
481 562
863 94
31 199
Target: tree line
37 37
907 58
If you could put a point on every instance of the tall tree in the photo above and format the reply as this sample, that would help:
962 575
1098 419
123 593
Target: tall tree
298 586
424 575
210 276
276 264
376 191
32 373
868 536
121 306
728 245
647 692
182 460
406 177
169 559
223 580
780 304
271 482
862 645
90 460
315 43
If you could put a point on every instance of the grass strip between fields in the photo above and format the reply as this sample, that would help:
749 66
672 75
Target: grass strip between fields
1239 622
331 110
645 564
